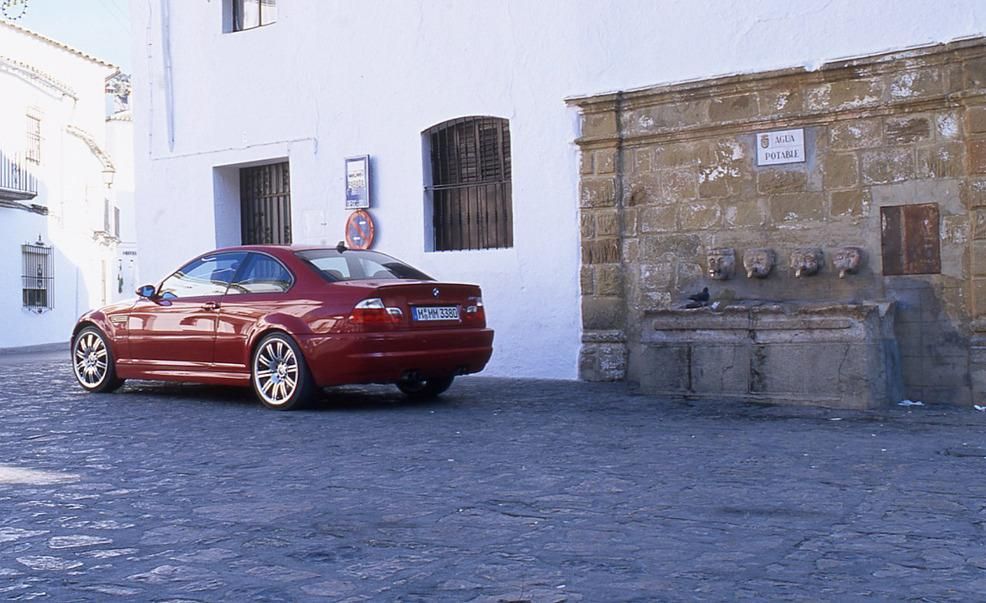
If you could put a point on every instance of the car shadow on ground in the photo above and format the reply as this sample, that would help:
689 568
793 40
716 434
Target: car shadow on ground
334 399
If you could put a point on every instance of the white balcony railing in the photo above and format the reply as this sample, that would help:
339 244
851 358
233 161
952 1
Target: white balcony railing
17 183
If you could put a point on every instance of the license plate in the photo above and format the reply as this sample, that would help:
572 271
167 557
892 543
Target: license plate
436 313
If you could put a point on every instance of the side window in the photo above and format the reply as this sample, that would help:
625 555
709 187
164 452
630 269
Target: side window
205 276
262 274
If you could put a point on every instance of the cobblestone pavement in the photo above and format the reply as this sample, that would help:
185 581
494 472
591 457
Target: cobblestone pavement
506 490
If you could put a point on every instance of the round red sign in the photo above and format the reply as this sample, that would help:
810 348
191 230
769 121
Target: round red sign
359 230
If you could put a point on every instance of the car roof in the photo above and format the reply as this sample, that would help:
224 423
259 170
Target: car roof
277 249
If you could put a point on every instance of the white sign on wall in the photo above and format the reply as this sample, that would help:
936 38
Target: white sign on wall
781 146
358 182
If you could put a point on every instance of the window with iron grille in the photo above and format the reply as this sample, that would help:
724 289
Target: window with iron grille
33 152
470 183
37 277
248 14
265 204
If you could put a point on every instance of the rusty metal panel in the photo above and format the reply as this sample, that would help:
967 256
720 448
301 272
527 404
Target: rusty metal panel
922 240
911 239
892 239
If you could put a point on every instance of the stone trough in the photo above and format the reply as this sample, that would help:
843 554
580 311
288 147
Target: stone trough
835 355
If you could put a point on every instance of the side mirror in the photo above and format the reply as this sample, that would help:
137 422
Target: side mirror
146 291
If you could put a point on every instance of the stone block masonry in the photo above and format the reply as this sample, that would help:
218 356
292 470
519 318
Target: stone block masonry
670 172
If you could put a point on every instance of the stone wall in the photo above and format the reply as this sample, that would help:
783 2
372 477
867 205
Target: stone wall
670 172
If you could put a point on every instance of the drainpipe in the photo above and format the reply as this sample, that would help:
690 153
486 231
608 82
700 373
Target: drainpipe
169 92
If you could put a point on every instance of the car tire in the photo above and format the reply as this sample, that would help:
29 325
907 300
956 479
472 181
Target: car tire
279 375
425 389
93 363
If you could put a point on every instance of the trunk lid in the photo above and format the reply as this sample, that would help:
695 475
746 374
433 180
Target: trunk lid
428 304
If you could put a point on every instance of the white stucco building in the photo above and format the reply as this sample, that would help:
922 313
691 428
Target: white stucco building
226 86
66 188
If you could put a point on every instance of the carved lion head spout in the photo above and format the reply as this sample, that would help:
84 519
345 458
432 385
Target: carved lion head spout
806 262
722 263
847 260
758 262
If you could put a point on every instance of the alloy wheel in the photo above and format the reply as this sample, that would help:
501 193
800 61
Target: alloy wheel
90 359
275 372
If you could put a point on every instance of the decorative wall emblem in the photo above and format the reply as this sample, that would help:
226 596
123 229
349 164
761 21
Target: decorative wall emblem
847 260
806 262
758 262
722 263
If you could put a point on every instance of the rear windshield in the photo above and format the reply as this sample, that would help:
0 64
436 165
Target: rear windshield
354 265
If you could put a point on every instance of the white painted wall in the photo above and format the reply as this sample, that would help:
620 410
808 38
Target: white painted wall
70 185
335 78
124 270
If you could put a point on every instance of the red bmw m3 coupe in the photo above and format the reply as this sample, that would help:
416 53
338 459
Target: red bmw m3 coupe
288 321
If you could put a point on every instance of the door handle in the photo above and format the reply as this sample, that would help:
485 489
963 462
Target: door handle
210 306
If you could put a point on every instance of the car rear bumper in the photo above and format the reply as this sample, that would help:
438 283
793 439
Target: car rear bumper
386 357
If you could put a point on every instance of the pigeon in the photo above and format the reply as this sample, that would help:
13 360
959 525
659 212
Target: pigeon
700 297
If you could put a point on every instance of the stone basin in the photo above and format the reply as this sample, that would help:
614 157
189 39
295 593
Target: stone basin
838 355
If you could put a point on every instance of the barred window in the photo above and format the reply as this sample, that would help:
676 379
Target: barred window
470 183
265 204
248 14
37 276
33 152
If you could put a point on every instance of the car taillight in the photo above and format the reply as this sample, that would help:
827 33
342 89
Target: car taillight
473 312
372 315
